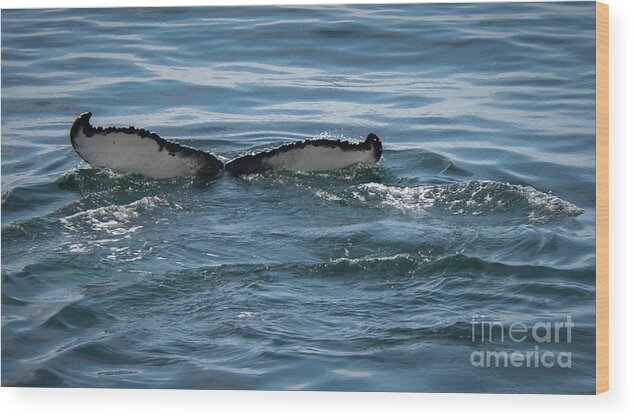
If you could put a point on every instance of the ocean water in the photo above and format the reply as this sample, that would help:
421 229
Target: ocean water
481 210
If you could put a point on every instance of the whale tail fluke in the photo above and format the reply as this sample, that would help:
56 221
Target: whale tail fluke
81 123
373 141
309 156
136 150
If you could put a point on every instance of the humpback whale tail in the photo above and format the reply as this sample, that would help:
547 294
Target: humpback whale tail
309 156
374 142
136 150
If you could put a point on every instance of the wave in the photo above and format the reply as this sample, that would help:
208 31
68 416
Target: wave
103 181
76 316
113 219
411 269
471 198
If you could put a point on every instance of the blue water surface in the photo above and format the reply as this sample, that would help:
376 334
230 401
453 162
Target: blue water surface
367 278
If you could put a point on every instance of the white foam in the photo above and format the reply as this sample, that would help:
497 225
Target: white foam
113 219
472 198
324 195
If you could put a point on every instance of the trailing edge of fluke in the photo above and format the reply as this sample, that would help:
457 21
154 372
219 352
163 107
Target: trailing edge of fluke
136 150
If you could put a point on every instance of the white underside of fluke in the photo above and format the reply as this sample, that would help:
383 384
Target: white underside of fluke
318 158
131 153
136 150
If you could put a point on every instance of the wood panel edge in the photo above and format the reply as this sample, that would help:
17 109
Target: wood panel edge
602 198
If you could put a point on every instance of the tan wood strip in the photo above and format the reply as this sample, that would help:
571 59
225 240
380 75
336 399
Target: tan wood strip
602 197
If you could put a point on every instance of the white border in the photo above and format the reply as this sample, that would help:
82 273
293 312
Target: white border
26 4
50 404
